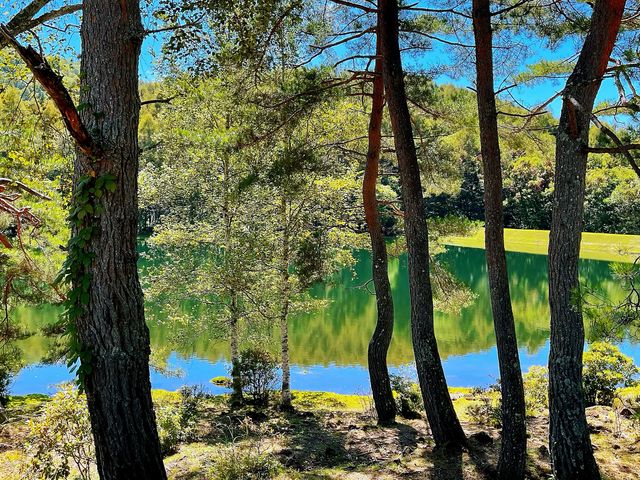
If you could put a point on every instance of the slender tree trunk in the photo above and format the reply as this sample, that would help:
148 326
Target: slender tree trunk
237 397
285 400
570 445
113 328
443 421
513 450
381 338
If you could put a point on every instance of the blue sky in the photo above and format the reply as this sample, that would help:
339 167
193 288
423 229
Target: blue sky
530 95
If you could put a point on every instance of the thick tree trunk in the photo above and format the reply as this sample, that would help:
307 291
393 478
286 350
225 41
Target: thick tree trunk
442 417
285 392
113 328
570 444
381 338
513 451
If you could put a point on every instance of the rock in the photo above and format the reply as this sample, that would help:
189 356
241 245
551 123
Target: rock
481 438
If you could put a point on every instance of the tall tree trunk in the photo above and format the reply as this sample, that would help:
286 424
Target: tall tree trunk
381 338
444 423
237 397
513 450
570 445
285 400
113 328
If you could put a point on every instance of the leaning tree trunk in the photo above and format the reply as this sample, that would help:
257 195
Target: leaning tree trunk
381 338
112 327
570 445
442 417
513 450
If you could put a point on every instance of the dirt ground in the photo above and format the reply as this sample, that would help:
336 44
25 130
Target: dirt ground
329 443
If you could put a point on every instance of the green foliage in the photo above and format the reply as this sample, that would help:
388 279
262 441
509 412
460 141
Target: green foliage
258 373
486 408
59 442
177 421
191 400
536 389
9 365
606 369
408 397
169 428
86 207
238 463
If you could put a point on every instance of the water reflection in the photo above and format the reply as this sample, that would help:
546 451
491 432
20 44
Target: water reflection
329 346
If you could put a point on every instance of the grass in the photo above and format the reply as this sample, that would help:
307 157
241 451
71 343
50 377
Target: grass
595 246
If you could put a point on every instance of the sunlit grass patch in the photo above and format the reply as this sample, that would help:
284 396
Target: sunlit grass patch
595 246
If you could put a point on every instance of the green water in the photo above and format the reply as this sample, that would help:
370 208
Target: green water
333 340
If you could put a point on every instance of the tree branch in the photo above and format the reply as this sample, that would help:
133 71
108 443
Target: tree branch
621 147
7 181
24 20
52 83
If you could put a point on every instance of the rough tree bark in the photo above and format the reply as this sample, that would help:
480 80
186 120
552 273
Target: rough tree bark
570 445
381 338
443 421
513 449
114 329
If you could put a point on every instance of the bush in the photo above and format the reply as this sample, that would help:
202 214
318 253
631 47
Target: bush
258 372
605 369
169 428
177 422
536 388
191 398
9 365
60 439
408 397
249 463
486 408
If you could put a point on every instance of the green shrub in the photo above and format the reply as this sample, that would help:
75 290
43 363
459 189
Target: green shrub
191 399
177 421
258 372
536 388
408 397
605 369
60 440
169 428
237 463
486 408
9 365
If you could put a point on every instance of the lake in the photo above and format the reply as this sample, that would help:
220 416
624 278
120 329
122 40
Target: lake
329 346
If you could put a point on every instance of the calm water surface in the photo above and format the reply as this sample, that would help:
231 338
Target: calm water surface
329 346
